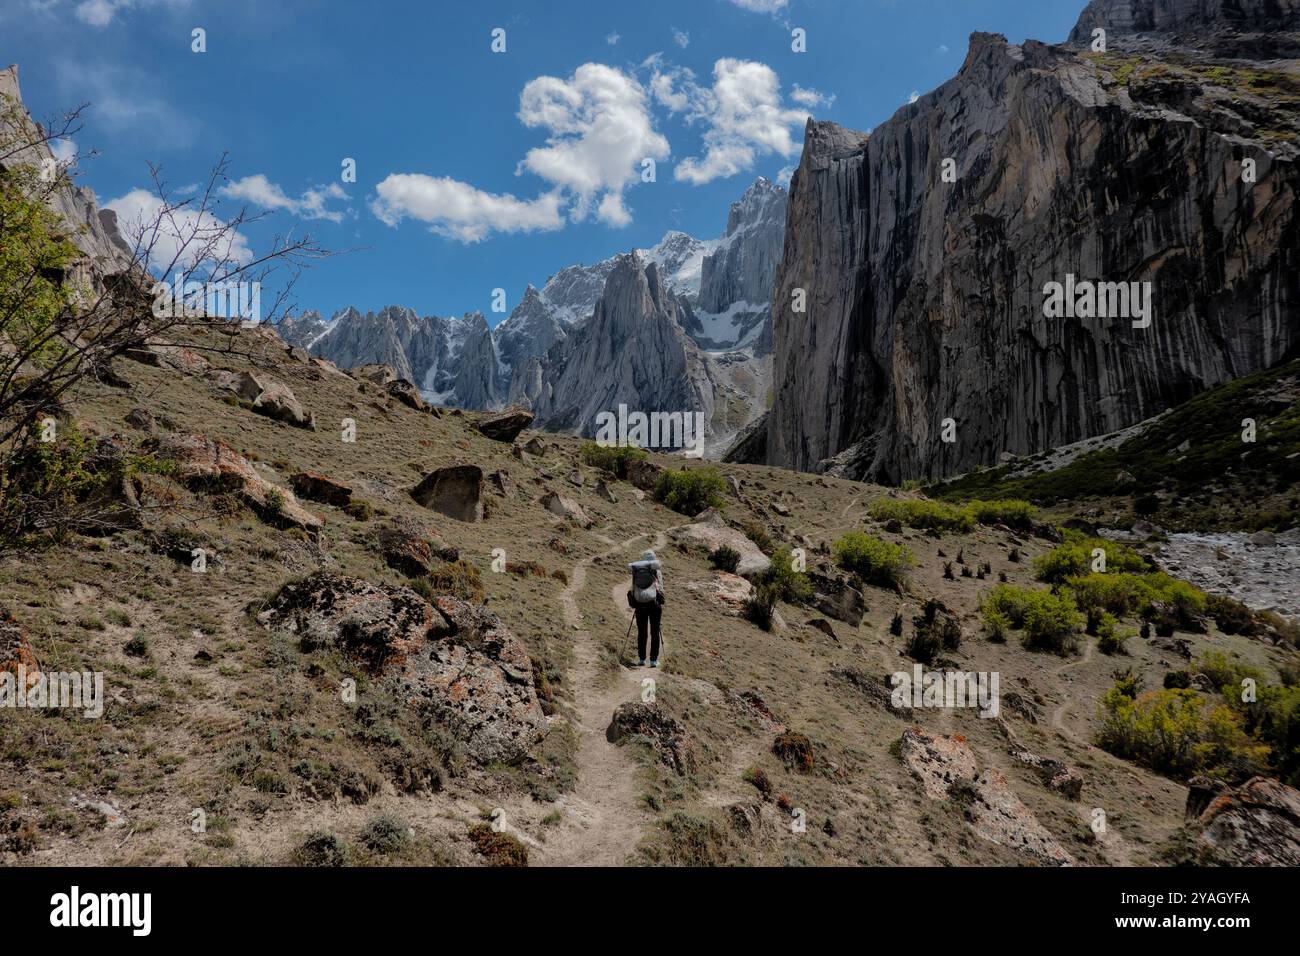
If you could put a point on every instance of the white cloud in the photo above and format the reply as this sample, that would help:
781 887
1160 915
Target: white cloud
600 130
100 13
943 48
914 97
783 176
743 114
762 6
180 235
613 38
64 150
458 210
810 98
682 38
260 191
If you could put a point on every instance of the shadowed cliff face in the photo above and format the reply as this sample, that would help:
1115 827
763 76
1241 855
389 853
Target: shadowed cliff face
924 298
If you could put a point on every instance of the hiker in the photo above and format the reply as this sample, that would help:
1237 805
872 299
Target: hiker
647 599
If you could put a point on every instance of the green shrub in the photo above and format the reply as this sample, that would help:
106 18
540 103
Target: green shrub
1178 680
1224 673
1051 622
996 625
788 584
1118 593
761 605
458 578
871 559
756 533
385 834
321 849
1176 732
1109 638
612 458
1007 602
725 559
691 490
1231 616
923 513
1074 559
1011 512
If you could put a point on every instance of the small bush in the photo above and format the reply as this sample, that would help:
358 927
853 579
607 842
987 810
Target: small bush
756 533
385 834
1051 623
611 458
459 578
1075 559
871 559
923 513
795 750
725 559
896 624
759 780
498 848
321 849
137 646
760 607
788 584
1231 616
996 625
1008 511
691 490
1177 680
1109 639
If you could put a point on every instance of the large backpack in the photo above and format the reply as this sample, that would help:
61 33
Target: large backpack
643 584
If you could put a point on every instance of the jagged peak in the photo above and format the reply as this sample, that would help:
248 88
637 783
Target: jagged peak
1120 17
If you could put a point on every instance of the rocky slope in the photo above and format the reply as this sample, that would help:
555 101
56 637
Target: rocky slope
925 298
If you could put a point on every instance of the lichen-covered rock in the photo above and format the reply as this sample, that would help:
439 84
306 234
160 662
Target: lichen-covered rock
947 768
267 396
411 548
454 660
406 393
16 652
210 462
1255 824
666 734
565 507
835 597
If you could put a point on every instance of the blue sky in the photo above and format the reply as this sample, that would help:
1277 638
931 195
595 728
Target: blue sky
478 170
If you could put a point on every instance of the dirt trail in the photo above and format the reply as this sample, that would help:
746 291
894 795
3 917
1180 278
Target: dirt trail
603 818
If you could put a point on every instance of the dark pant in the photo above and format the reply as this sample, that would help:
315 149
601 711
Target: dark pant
648 613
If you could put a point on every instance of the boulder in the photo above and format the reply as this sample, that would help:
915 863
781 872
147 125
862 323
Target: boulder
1055 775
1255 824
603 490
406 393
210 462
502 483
709 531
411 548
456 662
455 491
947 769
316 487
733 485
823 625
666 734
141 419
377 373
16 653
267 396
506 426
835 597
1263 539
567 508
535 446
729 591
643 474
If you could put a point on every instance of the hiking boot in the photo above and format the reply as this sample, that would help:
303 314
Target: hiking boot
654 663
641 663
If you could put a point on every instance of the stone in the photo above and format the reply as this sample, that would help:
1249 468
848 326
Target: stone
16 651
709 531
643 474
823 625
1255 824
947 769
206 462
411 548
317 487
567 508
141 419
505 426
728 591
267 396
835 597
452 660
1263 539
1055 775
666 734
454 490
502 483
406 393
535 446
603 490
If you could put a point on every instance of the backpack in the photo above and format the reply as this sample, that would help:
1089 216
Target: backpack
643 586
